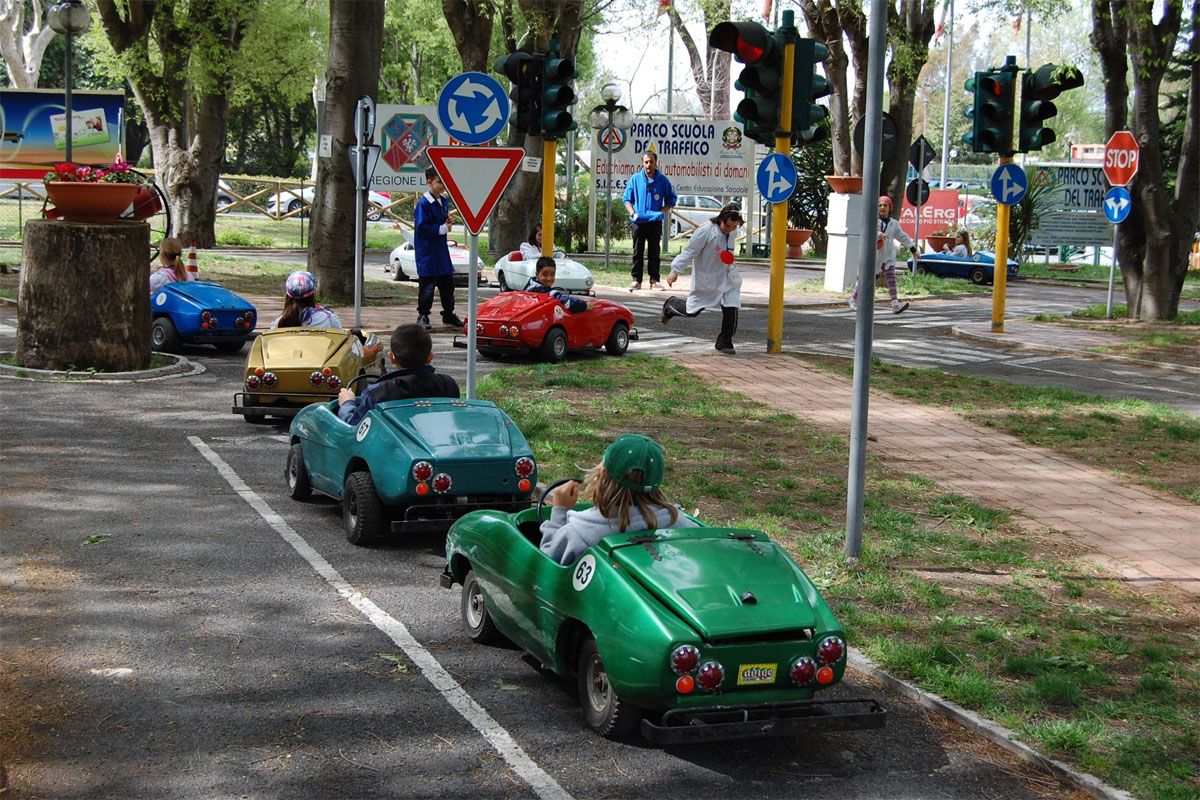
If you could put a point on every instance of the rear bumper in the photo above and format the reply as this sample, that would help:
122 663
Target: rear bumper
722 723
494 344
438 517
285 405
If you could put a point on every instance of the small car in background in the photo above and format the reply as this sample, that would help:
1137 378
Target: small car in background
523 323
288 368
514 271
688 635
199 312
402 263
293 200
978 268
413 465
692 211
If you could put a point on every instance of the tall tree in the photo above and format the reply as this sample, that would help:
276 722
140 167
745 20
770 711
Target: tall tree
710 70
24 37
826 22
355 45
910 27
1153 241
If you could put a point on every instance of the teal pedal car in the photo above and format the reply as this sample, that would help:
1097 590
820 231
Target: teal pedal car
412 465
690 634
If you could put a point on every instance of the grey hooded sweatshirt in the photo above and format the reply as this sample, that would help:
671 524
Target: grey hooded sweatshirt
568 533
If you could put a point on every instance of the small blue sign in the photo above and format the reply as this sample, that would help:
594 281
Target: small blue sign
1008 184
473 108
776 178
1117 204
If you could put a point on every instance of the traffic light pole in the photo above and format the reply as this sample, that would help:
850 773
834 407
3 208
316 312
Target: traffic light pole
1000 261
548 155
783 145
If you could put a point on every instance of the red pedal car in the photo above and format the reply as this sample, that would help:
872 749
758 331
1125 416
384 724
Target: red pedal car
528 322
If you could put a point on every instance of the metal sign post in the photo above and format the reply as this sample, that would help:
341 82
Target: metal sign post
364 131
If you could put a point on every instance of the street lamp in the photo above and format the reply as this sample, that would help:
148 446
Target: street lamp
68 18
602 119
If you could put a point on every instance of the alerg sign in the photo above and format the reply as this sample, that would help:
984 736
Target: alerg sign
938 213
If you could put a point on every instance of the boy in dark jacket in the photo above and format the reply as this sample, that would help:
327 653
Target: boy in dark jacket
411 351
543 283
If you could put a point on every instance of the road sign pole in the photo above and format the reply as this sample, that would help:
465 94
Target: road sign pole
783 146
548 167
360 159
1112 275
607 209
472 286
1000 262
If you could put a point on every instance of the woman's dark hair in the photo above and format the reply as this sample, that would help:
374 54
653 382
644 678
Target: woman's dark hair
292 306
731 211
533 234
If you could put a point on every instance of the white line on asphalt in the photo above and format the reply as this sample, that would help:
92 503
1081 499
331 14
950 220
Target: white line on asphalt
541 783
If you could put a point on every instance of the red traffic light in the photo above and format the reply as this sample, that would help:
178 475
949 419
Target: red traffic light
749 41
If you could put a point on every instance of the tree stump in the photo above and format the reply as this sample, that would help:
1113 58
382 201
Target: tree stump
84 299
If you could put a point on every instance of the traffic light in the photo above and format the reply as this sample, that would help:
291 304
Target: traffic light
519 68
762 53
557 96
991 114
808 86
1038 88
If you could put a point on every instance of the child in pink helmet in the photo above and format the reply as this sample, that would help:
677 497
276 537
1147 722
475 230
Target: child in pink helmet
300 306
888 233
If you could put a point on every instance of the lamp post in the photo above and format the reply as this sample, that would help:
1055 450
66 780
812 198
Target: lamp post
602 118
68 18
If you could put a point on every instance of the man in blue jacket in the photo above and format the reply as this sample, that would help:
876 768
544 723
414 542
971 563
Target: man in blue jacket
648 196
431 226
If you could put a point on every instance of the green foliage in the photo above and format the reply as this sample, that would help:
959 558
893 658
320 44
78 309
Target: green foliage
419 54
808 207
571 221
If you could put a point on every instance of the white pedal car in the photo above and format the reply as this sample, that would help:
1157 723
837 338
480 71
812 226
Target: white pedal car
402 263
513 272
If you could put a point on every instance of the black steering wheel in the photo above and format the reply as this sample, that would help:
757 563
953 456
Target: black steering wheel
541 503
350 383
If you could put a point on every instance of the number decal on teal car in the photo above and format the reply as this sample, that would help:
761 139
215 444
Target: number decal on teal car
584 571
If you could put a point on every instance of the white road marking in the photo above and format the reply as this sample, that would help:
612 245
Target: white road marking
542 784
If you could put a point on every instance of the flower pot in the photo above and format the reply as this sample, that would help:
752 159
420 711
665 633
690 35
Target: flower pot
796 238
845 184
936 243
90 202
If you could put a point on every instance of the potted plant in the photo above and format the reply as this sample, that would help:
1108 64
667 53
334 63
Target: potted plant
942 238
82 193
845 184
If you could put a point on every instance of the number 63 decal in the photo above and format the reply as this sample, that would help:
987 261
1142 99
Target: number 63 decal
584 570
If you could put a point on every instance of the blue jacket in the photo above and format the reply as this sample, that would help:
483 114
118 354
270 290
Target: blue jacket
573 304
429 242
649 196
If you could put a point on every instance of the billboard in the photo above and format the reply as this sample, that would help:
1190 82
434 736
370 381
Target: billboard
939 213
404 135
34 126
698 156
1077 218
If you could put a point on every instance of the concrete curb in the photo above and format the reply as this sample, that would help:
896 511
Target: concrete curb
983 337
182 368
997 734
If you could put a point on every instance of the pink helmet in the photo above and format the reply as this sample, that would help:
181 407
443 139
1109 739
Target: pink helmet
301 284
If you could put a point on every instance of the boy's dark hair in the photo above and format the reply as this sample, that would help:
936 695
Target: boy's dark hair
545 261
432 172
411 345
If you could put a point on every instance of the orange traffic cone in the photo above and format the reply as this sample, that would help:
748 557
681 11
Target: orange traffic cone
193 266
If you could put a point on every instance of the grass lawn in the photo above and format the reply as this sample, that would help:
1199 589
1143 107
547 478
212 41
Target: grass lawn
950 594
1175 341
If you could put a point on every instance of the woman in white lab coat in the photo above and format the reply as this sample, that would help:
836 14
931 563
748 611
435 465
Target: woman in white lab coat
715 279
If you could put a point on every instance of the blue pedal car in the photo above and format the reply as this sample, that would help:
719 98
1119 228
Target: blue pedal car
199 312
978 268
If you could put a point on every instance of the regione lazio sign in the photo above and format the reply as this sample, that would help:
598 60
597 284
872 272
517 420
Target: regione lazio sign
698 156
404 134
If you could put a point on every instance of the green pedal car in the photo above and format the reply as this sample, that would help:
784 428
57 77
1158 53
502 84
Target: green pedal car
695 634
410 465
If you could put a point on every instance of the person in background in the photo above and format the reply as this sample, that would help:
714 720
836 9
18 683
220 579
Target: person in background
412 352
886 237
171 267
624 490
648 197
435 270
300 306
543 283
962 245
532 249
716 282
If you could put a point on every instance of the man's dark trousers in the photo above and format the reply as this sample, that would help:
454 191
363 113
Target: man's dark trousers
445 287
646 234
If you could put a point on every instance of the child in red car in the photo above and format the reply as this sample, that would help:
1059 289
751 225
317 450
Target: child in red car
543 283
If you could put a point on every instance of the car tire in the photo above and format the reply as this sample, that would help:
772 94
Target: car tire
921 271
229 348
618 340
299 487
603 711
501 283
164 338
477 620
374 215
398 271
978 276
257 419
362 513
554 347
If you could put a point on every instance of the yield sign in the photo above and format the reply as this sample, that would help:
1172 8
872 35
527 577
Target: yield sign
475 177
1121 158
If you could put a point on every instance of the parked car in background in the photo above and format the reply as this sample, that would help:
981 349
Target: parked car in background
693 211
294 200
402 263
225 196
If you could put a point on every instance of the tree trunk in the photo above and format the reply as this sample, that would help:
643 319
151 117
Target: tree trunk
822 20
854 23
355 43
85 296
909 33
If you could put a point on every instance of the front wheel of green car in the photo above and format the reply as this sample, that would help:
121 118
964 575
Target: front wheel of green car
605 712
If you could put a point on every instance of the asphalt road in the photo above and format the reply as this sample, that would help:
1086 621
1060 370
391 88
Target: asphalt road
182 628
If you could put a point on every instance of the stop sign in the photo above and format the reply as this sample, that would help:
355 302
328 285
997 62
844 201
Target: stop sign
1121 158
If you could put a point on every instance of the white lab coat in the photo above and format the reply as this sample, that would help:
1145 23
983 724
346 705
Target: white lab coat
891 235
714 283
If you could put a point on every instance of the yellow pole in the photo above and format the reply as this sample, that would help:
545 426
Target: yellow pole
1000 262
783 145
548 197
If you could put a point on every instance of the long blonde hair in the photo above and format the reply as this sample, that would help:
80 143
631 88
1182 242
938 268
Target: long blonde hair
170 253
614 500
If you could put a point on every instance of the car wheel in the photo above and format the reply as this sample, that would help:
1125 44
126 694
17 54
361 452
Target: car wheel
554 346
374 214
362 513
605 712
229 347
978 276
257 419
921 271
618 340
477 620
501 283
298 485
163 336
398 271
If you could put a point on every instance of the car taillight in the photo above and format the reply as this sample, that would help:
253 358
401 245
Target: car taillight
249 317
479 328
259 371
422 489
825 676
504 330
684 658
524 467
441 483
253 381
513 330
685 684
524 485
803 671
205 316
710 676
239 323
422 471
269 379
831 649
316 379
333 382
